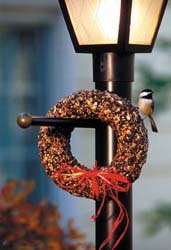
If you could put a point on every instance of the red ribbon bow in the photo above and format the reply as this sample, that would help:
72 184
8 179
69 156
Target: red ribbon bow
103 184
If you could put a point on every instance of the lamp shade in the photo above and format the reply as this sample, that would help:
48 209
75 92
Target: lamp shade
113 25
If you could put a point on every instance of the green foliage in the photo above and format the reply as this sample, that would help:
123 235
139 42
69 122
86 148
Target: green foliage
158 81
24 226
153 80
157 219
164 44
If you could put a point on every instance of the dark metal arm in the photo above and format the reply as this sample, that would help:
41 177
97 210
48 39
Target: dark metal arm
25 120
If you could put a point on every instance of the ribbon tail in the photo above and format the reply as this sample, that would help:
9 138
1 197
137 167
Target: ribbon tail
125 229
94 217
122 213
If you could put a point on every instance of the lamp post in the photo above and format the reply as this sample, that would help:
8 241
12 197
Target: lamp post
113 31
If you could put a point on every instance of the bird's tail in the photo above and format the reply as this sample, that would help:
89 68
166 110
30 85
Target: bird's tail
153 124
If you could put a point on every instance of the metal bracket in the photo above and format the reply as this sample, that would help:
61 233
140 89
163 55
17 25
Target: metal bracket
26 120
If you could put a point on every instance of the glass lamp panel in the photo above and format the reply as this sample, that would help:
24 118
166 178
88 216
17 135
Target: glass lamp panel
144 20
95 21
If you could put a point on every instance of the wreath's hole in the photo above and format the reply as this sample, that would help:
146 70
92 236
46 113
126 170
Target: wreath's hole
83 146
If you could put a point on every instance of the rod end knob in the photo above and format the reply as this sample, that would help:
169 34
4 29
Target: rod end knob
24 120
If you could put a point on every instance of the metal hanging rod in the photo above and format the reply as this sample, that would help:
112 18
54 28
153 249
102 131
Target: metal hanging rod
26 120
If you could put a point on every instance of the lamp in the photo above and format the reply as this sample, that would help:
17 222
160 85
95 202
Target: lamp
113 25
113 31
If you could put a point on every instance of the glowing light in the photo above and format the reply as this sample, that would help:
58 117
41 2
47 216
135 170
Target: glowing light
108 18
144 19
95 21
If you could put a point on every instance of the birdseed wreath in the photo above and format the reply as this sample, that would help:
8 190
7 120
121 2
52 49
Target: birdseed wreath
131 134
99 183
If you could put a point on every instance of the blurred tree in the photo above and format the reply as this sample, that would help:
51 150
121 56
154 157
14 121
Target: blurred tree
158 81
159 84
157 219
160 216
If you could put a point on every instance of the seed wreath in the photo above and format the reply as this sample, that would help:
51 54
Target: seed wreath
132 145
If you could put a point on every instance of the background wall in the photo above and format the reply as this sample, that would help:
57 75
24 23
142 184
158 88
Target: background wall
58 71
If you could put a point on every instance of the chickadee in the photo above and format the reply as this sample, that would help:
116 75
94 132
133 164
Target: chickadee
146 106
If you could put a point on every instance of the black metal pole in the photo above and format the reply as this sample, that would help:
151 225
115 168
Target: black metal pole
115 73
